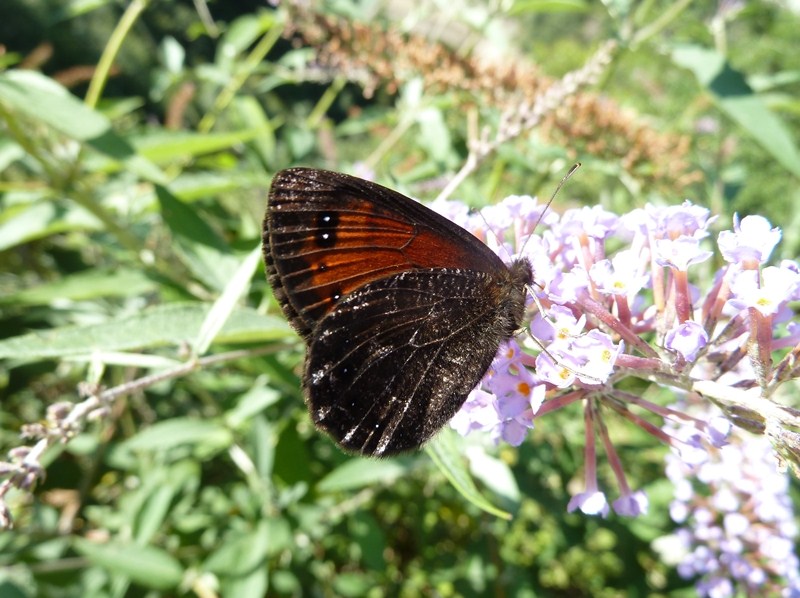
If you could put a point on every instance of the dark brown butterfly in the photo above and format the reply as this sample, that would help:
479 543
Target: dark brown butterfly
402 310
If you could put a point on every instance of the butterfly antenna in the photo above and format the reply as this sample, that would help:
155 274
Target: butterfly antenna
563 180
539 306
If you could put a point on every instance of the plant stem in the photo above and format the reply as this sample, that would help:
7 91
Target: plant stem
100 77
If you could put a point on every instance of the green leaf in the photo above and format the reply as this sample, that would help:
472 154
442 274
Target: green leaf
122 358
27 222
434 136
242 552
145 565
447 456
251 112
118 149
352 585
251 403
255 583
44 100
154 512
240 559
201 249
90 284
548 6
10 589
172 54
179 431
495 474
770 81
155 327
264 438
191 186
74 8
242 33
735 98
10 152
223 307
149 504
361 472
167 147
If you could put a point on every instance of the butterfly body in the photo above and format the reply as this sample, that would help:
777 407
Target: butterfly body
401 309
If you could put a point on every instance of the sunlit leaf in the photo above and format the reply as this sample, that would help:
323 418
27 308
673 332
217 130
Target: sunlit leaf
734 96
223 307
199 245
445 453
357 473
158 326
146 565
90 284
178 431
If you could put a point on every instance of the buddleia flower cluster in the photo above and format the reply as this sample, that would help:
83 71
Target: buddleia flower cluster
697 313
737 528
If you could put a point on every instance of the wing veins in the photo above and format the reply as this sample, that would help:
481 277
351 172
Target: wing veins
387 430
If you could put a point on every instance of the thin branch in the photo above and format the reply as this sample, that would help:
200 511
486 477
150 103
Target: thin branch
66 420
521 118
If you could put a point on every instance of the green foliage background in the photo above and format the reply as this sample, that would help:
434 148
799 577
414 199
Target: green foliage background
130 208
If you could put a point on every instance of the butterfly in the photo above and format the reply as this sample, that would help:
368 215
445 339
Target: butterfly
402 310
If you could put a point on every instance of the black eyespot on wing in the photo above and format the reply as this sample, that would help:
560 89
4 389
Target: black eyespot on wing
360 231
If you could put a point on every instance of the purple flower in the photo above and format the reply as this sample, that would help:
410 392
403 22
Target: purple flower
718 430
500 217
614 293
566 287
687 339
513 432
679 253
752 239
775 287
364 171
669 222
457 212
596 355
477 413
590 503
507 410
631 504
733 507
523 206
621 275
593 222
716 587
686 219
561 373
706 125
561 325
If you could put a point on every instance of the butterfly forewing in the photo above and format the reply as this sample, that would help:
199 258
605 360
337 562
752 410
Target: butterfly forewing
327 234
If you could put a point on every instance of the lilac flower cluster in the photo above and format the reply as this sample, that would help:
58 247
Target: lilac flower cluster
602 317
738 529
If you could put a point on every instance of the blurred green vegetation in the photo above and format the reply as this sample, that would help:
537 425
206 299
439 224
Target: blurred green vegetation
131 198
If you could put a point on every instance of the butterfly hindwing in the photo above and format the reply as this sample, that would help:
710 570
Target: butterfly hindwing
396 359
